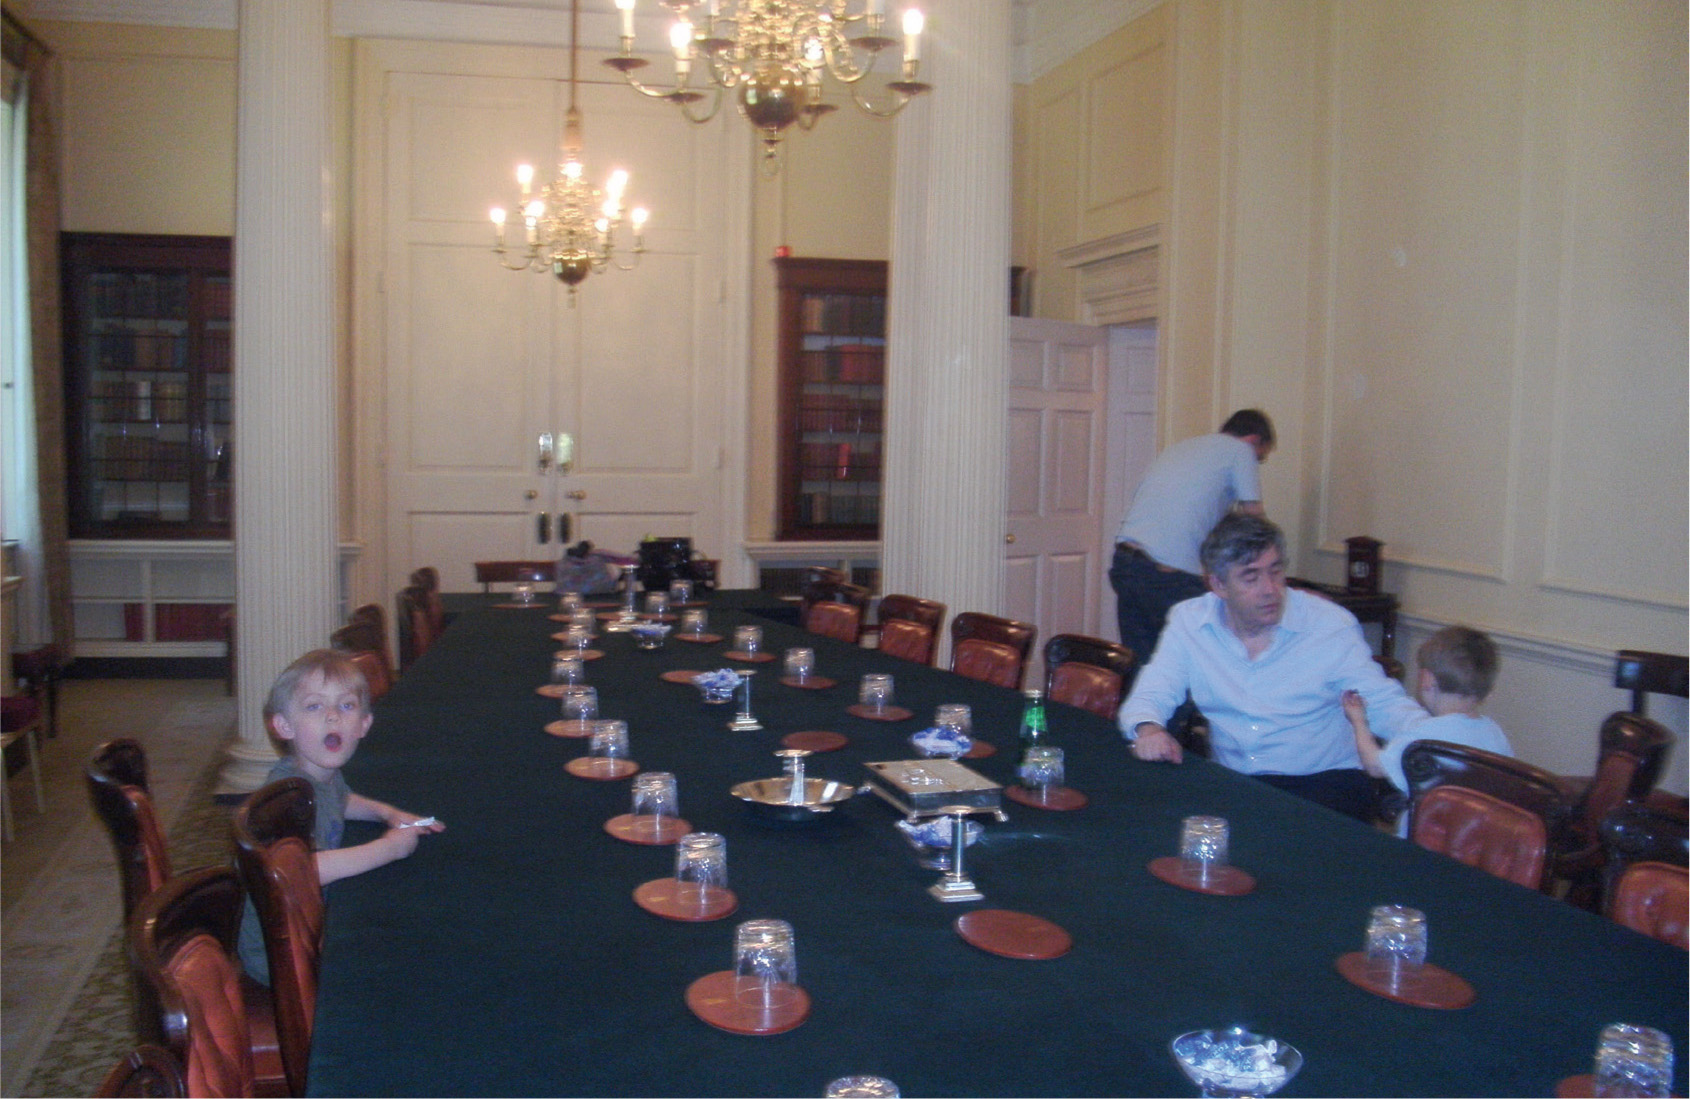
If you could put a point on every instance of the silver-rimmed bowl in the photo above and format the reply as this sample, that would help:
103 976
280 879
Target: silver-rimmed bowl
1232 1061
772 797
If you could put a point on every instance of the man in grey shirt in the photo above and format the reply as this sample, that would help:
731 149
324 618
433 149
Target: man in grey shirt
1189 488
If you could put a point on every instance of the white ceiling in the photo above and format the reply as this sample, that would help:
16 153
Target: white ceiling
1046 32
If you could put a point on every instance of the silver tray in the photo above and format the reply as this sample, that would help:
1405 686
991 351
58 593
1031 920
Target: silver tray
927 787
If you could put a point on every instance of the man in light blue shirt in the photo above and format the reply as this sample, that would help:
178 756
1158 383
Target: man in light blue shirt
1267 666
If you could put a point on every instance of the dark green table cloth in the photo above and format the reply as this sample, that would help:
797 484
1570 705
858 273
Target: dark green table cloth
507 957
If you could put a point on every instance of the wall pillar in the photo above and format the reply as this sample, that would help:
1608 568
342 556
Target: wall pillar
942 530
286 580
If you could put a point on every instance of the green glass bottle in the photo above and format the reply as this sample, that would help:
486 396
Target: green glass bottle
1033 726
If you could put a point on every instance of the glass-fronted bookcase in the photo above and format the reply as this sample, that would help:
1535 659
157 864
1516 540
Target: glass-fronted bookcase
832 348
147 385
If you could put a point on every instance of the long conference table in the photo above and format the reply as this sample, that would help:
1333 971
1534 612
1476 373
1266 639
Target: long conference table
507 955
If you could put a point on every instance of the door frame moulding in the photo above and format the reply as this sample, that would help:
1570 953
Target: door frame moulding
1119 276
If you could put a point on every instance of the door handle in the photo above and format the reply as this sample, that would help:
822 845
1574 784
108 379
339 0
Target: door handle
564 527
1009 539
544 461
577 494
543 527
531 494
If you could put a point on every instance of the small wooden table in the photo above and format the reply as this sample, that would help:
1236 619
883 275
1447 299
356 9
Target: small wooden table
1380 607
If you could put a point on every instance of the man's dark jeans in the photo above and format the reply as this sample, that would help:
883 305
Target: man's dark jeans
1144 593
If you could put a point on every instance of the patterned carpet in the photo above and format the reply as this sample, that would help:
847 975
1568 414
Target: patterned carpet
67 984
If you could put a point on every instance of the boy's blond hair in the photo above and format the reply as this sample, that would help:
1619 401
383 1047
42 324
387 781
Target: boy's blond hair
337 667
1462 661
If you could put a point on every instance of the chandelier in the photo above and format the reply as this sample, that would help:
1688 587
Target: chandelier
570 225
771 55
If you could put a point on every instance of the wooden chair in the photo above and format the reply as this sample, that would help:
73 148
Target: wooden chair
374 667
1645 673
273 848
1654 898
488 573
427 578
1088 672
1642 832
38 672
416 626
1631 752
835 610
991 649
182 941
147 1070
1483 831
908 627
20 723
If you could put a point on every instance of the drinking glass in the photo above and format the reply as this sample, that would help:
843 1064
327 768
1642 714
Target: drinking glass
862 1087
701 865
955 715
609 739
581 616
1042 768
577 637
657 603
655 797
800 663
1396 941
875 692
680 591
524 591
580 704
568 601
748 639
1203 843
1633 1061
568 671
765 964
694 620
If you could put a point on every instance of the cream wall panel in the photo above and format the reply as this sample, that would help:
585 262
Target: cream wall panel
1123 176
1058 129
1616 527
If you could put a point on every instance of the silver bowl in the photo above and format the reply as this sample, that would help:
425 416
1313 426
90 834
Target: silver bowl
772 797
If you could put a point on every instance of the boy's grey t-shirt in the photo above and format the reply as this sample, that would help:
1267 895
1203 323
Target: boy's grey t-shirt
325 836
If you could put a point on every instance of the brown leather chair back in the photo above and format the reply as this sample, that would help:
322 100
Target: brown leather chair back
1632 751
272 830
427 578
1430 763
1654 898
978 644
147 1070
909 627
1088 672
117 784
1482 831
416 627
181 941
1645 673
375 672
840 621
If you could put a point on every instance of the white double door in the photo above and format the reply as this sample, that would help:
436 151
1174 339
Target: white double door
635 382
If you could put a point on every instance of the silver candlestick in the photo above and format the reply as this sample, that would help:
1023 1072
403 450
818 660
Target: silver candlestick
955 884
743 722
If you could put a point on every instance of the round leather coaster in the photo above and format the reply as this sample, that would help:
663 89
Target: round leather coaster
980 750
711 998
1013 934
631 829
612 616
888 713
661 898
679 675
584 654
1580 1086
815 740
521 606
599 769
808 683
697 638
1224 881
750 658
574 729
1428 986
562 636
644 617
561 617
1060 798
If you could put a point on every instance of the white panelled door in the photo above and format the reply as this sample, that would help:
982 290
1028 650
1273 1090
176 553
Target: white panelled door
1058 404
478 362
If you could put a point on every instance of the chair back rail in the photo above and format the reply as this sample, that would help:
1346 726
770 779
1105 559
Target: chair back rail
908 627
1088 672
1645 673
978 644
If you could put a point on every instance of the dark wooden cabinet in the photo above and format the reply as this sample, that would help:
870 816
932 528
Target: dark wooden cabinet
148 385
832 389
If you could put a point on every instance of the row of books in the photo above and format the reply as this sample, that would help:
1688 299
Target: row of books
851 363
136 458
832 412
138 294
857 314
837 462
139 351
818 509
138 400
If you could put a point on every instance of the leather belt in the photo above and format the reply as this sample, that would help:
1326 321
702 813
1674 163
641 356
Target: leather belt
1133 549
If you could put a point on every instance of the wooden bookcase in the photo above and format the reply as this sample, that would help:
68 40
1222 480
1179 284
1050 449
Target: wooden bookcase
148 397
832 350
